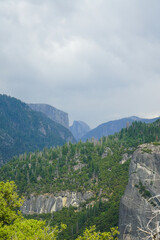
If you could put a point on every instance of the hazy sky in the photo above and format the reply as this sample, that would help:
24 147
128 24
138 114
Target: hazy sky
97 60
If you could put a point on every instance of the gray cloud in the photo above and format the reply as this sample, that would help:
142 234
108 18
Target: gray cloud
95 59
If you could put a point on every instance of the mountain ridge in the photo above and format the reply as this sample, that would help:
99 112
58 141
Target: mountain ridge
23 129
113 126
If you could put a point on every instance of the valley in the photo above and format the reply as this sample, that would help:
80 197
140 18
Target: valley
78 184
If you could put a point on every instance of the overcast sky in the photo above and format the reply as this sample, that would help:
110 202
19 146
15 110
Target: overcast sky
97 60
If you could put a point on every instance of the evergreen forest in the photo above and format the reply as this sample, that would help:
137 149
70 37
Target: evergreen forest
24 130
100 167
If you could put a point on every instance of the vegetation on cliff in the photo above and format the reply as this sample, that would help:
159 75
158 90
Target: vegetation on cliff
24 130
13 226
98 166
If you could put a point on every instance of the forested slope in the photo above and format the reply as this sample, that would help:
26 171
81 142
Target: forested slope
111 127
100 167
24 130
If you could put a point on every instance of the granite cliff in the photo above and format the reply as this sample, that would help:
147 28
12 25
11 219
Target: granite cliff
79 129
53 113
48 203
137 205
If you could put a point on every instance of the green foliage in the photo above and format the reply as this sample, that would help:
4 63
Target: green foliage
9 202
52 171
146 150
13 226
139 133
75 167
94 166
23 229
156 143
23 129
91 234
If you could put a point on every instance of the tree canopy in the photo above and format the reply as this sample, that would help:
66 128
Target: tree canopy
91 234
13 226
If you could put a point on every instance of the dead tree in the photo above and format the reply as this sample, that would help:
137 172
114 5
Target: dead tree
152 229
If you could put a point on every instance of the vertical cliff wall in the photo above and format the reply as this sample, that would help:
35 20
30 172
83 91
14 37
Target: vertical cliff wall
137 205
48 203
52 113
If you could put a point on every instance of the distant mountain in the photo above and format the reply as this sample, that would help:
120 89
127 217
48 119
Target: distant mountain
79 129
24 130
111 127
52 113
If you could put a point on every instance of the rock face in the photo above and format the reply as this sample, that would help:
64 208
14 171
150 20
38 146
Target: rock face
48 203
52 113
137 204
79 129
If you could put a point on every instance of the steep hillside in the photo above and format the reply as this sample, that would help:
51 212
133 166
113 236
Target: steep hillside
83 181
139 210
53 113
79 184
79 129
24 130
112 127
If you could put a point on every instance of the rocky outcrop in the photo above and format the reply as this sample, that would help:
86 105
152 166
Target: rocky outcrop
52 113
107 151
137 205
48 203
125 157
79 129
